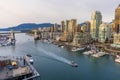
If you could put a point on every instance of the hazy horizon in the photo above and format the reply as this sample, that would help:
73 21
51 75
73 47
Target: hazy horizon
15 12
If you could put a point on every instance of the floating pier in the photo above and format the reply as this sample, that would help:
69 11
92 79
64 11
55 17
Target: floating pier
17 68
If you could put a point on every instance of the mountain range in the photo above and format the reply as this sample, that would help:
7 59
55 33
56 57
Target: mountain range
27 26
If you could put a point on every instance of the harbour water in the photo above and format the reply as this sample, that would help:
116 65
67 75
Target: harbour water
52 62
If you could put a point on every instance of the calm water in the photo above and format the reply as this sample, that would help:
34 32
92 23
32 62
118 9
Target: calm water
52 62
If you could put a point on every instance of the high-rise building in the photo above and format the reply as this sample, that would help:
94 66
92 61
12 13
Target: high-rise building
70 28
81 38
86 26
112 25
71 25
66 27
116 36
96 20
102 32
77 28
116 39
52 29
55 27
117 19
62 26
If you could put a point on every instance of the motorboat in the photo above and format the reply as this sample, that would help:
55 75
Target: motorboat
62 46
117 59
74 49
29 58
73 64
88 52
80 48
77 49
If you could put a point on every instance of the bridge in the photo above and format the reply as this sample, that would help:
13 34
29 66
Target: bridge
8 32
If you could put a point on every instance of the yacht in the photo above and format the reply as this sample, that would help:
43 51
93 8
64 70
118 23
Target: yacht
80 48
29 58
73 64
117 59
74 49
62 46
88 52
77 49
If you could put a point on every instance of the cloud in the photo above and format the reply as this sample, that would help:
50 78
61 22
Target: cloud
14 12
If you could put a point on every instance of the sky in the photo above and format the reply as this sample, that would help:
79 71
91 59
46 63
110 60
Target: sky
15 12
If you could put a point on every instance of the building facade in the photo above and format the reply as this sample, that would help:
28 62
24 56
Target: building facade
71 25
117 19
116 40
55 27
77 28
81 38
96 20
86 27
116 36
62 26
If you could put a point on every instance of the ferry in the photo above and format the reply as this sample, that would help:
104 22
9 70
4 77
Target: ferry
29 58
73 64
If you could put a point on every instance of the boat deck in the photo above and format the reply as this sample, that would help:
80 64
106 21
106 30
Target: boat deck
99 54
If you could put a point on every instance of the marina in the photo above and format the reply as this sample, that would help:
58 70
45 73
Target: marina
7 39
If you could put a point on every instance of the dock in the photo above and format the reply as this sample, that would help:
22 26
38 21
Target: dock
35 73
7 39
17 68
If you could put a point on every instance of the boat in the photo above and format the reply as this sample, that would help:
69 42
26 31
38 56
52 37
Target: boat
62 46
117 59
88 52
73 64
29 58
80 48
99 54
74 49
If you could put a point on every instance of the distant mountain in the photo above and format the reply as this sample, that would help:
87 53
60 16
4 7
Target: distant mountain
27 26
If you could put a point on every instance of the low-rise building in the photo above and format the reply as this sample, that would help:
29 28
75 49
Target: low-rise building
81 38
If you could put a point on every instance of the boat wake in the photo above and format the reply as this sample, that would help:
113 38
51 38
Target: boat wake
59 58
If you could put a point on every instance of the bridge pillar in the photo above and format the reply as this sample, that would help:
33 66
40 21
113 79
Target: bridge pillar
12 35
36 36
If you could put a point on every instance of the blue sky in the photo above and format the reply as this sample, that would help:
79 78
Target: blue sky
14 12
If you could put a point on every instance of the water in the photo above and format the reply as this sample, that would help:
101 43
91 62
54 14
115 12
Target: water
59 58
52 61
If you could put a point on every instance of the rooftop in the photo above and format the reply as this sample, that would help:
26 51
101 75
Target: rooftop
11 67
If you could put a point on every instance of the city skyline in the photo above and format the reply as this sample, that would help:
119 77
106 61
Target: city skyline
40 11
